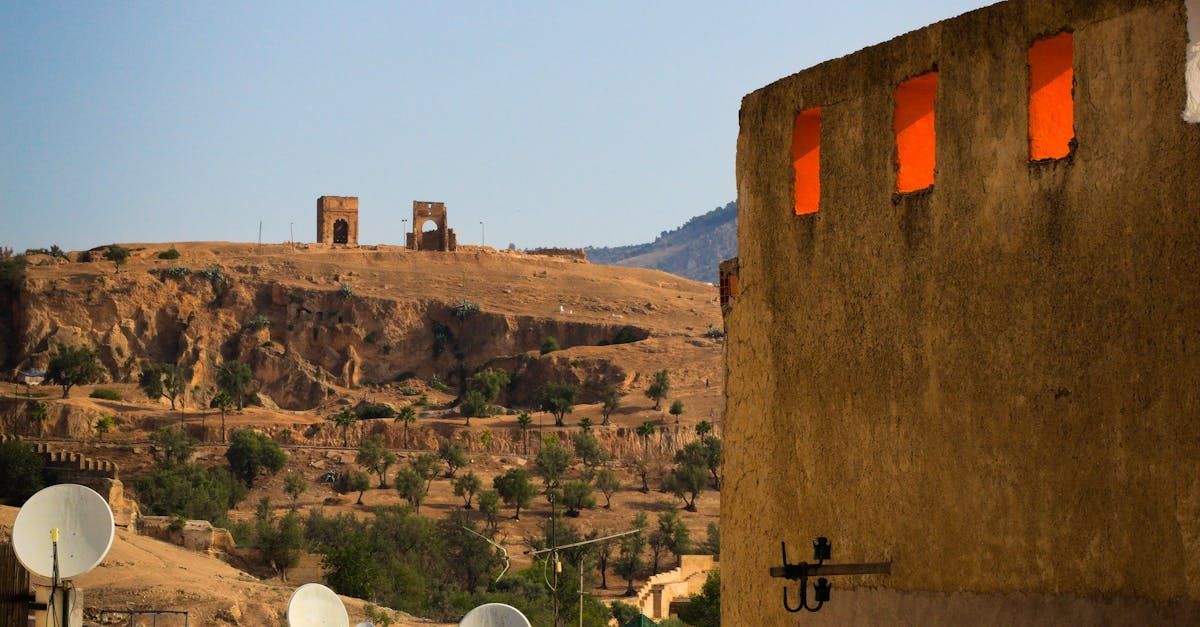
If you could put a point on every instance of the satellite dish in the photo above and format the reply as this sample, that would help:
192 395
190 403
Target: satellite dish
494 615
365 624
314 605
79 518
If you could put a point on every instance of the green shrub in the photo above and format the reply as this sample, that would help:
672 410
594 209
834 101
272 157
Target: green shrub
106 394
624 612
174 272
12 272
214 273
216 277
704 609
407 391
372 337
20 472
345 291
374 411
169 253
251 454
549 345
118 255
464 310
436 383
257 323
190 491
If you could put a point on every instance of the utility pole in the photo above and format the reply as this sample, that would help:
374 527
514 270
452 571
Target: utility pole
482 235
554 554
292 234
554 549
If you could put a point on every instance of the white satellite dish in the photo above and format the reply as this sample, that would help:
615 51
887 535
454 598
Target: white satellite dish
314 605
74 517
494 615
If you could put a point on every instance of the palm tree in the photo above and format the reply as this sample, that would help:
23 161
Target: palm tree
407 415
525 421
345 419
223 401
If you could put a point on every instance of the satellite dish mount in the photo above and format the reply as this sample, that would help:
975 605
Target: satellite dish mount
60 533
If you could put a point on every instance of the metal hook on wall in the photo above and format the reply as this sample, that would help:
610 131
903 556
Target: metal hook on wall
800 572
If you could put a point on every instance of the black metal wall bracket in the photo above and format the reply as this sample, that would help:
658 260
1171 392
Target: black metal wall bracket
801 571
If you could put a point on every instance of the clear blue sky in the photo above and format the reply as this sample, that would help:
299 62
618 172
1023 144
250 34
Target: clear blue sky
566 123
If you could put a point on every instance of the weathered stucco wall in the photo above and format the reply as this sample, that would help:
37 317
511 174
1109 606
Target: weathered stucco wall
996 384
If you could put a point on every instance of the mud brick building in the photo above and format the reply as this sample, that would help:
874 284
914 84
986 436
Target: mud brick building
966 334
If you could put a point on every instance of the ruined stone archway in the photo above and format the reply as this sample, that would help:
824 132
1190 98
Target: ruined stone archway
337 220
429 228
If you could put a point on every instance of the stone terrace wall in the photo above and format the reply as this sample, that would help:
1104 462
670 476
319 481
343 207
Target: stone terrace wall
101 475
570 253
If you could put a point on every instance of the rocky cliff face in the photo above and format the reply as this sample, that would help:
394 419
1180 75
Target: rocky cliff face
301 342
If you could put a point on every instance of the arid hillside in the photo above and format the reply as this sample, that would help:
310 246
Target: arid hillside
310 321
352 329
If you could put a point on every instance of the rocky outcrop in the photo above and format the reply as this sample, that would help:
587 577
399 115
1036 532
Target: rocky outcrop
301 342
195 535
530 371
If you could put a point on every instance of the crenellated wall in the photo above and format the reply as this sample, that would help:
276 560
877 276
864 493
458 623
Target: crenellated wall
101 475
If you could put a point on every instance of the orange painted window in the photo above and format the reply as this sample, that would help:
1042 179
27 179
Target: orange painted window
916 141
806 161
1051 103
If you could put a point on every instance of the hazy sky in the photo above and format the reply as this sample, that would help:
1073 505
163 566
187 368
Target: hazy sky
565 123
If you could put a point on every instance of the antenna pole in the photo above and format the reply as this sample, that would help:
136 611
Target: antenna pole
581 557
554 554
66 597
260 234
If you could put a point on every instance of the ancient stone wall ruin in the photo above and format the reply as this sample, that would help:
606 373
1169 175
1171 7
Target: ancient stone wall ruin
577 254
991 380
337 220
440 238
101 475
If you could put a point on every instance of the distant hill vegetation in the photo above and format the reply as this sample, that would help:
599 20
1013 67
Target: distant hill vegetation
693 250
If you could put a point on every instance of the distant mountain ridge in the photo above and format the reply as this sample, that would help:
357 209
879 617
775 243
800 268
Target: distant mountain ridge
693 250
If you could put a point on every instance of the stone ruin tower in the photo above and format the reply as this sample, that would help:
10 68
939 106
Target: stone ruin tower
337 220
441 238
